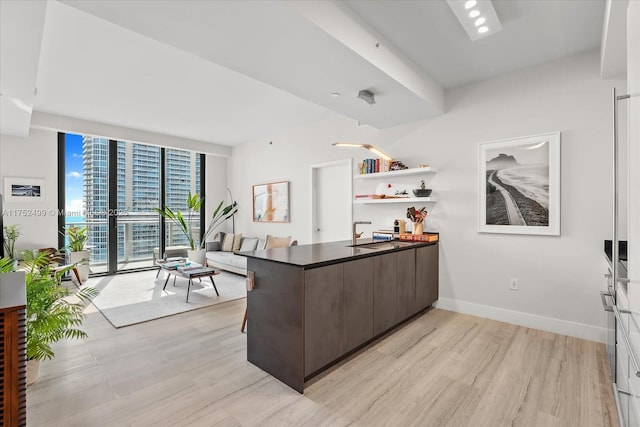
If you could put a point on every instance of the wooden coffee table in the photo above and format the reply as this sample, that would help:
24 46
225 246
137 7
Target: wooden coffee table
193 271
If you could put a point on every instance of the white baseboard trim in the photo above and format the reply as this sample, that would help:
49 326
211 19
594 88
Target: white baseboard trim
533 321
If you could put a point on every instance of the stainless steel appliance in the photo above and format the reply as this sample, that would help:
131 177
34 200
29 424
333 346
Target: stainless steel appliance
621 299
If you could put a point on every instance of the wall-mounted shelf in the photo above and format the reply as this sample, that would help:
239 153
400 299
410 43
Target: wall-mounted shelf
402 172
398 200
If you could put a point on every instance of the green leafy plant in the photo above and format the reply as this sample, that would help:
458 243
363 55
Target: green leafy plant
77 237
11 234
194 203
50 315
422 185
6 265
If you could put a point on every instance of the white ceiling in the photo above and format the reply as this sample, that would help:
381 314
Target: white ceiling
234 71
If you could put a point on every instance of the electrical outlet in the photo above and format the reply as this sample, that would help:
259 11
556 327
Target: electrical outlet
513 283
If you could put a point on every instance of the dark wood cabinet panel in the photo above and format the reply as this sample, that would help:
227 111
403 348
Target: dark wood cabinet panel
406 283
358 302
426 276
324 316
384 292
275 309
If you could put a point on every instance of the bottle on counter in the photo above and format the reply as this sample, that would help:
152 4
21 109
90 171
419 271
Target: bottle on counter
396 229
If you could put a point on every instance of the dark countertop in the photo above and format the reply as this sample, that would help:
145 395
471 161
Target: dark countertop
320 254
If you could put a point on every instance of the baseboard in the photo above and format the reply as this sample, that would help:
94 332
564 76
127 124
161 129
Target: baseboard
549 324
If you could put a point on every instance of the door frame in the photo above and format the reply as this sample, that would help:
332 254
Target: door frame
348 163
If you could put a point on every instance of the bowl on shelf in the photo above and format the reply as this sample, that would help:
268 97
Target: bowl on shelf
422 192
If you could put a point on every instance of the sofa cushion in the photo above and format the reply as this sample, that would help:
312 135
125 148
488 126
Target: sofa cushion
231 242
261 244
249 244
277 242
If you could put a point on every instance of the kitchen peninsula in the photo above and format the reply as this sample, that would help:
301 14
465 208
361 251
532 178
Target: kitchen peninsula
312 305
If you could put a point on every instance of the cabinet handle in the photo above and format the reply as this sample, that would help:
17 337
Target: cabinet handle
627 341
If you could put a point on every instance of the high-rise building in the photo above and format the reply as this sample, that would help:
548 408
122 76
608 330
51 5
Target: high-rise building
138 186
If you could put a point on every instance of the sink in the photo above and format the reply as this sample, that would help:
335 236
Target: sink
384 245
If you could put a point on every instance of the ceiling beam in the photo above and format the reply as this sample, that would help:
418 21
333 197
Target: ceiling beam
340 22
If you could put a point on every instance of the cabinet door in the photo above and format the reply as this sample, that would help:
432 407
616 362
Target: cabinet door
406 284
384 292
427 282
323 316
358 302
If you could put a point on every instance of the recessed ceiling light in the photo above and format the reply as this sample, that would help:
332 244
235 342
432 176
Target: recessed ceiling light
483 30
474 14
335 94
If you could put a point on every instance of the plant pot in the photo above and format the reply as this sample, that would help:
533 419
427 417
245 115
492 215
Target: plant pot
422 192
33 368
81 259
197 256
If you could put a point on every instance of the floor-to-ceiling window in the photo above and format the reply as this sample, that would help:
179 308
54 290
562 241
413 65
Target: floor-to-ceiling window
112 187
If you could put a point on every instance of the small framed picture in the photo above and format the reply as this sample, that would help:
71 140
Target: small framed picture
24 190
519 191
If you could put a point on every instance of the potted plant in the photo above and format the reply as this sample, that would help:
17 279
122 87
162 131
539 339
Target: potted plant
11 234
50 316
78 254
196 250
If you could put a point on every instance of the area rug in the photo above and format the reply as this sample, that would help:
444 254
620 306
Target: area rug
127 299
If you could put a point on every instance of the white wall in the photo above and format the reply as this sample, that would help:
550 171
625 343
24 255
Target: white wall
33 157
560 277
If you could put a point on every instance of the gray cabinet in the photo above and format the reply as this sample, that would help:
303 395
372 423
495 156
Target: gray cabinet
323 316
426 276
384 292
406 284
358 302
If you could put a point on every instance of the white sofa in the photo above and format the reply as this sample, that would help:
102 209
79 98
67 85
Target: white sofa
228 260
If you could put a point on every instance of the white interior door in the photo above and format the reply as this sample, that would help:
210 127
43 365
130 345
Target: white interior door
331 201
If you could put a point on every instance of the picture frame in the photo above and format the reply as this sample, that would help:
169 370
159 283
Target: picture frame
24 190
519 185
271 202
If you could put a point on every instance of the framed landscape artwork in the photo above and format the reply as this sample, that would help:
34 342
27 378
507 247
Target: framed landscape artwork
520 185
271 202
29 190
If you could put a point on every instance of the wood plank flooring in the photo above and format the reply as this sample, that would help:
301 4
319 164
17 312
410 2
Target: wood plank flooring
441 369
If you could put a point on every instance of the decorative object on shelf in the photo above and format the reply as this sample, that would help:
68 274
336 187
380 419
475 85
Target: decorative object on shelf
196 251
271 202
423 191
24 190
519 182
417 217
398 165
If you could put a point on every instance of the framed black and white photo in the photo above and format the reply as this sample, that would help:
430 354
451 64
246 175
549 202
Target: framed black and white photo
520 185
24 190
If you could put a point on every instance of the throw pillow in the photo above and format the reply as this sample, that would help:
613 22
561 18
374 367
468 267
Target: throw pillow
277 242
249 244
227 243
237 239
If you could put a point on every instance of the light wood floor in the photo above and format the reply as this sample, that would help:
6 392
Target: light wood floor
442 369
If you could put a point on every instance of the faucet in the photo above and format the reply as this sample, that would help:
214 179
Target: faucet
355 236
